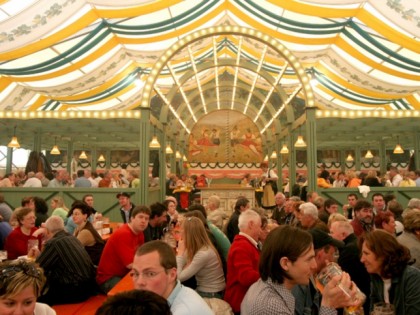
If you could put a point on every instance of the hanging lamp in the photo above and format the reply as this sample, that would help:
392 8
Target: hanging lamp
154 144
14 143
168 149
300 143
349 158
101 158
368 154
398 149
83 155
55 150
273 155
284 149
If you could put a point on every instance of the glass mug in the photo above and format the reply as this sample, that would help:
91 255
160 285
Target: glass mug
332 270
32 243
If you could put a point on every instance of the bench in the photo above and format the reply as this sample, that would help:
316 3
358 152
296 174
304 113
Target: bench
87 307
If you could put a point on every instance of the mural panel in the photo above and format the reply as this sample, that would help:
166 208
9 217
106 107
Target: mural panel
225 136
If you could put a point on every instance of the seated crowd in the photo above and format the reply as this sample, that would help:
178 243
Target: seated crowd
200 261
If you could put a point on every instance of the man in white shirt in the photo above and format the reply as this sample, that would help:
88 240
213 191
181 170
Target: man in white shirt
154 269
394 176
32 181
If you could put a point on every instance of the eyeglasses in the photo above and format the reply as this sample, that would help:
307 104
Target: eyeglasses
10 271
145 274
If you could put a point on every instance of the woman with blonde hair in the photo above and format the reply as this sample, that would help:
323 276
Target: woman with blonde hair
198 257
352 179
21 283
59 208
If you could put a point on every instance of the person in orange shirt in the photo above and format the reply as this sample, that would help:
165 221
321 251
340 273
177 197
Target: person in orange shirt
323 180
352 180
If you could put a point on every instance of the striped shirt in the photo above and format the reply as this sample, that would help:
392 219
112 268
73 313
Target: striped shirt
65 260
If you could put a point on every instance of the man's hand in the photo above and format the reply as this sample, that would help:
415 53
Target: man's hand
339 292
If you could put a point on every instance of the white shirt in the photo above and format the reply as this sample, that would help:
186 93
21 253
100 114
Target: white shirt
33 182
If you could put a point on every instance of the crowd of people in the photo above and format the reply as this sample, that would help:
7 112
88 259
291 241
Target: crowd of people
203 261
82 178
371 178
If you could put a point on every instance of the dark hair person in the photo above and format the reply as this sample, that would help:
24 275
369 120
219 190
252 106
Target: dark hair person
392 279
139 302
288 259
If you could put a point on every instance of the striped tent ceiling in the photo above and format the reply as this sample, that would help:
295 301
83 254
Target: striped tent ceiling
95 55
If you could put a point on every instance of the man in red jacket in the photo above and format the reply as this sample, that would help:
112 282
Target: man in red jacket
243 259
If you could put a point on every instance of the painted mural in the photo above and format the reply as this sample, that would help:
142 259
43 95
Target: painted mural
225 136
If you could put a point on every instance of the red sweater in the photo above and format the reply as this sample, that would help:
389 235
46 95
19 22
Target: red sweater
17 243
118 254
242 270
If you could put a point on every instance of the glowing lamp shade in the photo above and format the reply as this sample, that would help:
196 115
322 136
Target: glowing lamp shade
300 143
284 149
14 143
169 150
101 158
368 155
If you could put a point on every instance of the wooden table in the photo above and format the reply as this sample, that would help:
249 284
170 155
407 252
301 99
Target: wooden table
125 284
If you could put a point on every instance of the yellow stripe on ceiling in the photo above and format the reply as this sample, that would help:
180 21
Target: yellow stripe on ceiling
115 95
55 38
412 100
314 10
351 50
388 32
38 103
343 82
136 10
120 76
90 57
345 99
278 35
370 20
180 32
4 83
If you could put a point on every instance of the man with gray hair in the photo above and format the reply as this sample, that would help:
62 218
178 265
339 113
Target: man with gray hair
414 203
243 259
67 266
308 217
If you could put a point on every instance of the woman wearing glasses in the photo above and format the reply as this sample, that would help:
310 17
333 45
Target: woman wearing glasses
21 283
22 237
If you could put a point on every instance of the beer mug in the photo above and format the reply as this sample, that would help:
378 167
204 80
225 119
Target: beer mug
32 243
332 270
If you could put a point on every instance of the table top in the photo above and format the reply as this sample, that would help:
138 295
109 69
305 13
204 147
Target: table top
125 284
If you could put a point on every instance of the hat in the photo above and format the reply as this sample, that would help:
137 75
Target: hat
321 239
125 194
